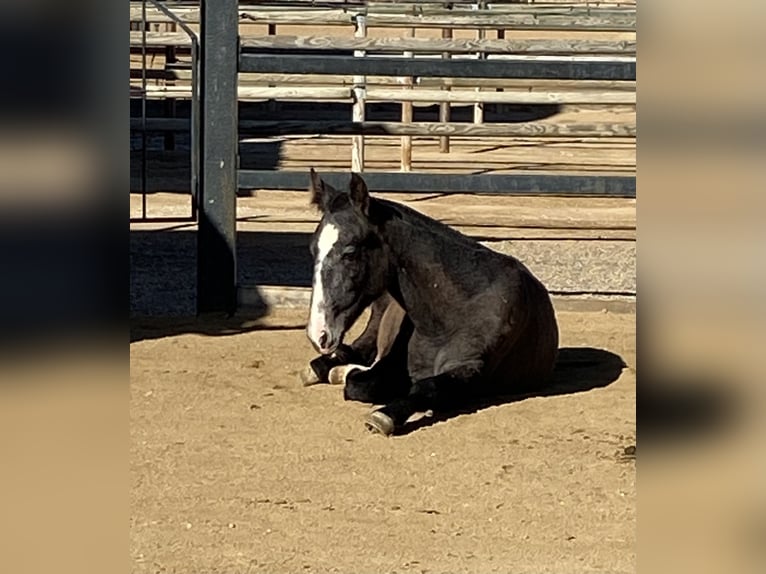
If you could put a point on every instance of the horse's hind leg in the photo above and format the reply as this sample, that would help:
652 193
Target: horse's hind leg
441 392
362 351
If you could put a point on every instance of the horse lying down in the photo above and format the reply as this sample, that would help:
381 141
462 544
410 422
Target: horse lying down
451 321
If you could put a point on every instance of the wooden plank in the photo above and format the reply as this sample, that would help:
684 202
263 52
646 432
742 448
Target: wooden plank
260 93
439 45
526 129
530 19
513 4
190 12
496 216
511 96
540 129
160 39
396 45
437 82
516 8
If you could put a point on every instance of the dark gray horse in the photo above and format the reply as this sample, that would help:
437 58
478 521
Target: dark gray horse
451 321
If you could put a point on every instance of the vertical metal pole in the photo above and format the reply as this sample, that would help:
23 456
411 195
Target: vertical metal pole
358 109
195 128
216 236
143 110
171 57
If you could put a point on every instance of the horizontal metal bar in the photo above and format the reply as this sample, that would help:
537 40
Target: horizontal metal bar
420 67
491 184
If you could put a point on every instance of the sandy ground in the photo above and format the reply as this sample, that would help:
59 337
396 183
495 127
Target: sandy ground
237 468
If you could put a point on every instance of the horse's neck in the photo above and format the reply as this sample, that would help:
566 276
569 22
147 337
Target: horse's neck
416 276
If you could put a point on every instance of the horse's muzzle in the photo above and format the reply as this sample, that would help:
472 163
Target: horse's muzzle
325 344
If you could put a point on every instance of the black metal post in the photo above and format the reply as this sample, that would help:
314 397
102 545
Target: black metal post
216 237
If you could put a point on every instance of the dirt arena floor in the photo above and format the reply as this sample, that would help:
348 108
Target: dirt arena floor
238 468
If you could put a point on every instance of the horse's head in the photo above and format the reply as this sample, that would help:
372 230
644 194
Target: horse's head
349 261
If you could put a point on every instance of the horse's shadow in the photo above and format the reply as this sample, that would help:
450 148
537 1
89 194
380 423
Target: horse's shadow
578 369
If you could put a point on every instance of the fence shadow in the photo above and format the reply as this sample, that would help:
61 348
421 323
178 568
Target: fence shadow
163 280
168 155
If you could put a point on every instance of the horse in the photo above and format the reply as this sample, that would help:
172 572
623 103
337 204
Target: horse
451 321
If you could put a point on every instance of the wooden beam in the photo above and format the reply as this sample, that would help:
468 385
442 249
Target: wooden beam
435 82
521 18
509 96
393 94
525 129
440 45
261 92
540 129
396 45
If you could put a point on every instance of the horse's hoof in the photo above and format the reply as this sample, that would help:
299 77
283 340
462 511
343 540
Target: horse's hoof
308 377
380 423
338 375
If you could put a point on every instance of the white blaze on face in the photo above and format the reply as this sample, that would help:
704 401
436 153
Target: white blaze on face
317 319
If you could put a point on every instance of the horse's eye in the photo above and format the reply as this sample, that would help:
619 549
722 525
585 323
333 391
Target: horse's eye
349 252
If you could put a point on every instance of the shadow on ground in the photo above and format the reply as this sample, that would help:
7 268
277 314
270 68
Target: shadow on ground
147 328
163 274
578 370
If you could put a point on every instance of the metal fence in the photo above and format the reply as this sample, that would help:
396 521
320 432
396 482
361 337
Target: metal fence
223 55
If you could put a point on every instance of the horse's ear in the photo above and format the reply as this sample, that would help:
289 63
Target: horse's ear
317 190
359 194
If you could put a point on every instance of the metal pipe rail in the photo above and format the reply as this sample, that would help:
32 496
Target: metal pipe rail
492 184
558 69
195 111
223 59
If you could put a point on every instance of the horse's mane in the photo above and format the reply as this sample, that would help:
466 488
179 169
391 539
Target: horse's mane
382 210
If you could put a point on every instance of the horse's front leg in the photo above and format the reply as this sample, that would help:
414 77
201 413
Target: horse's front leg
388 377
440 392
361 352
319 368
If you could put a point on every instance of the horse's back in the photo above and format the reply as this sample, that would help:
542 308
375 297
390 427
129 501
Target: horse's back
526 354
